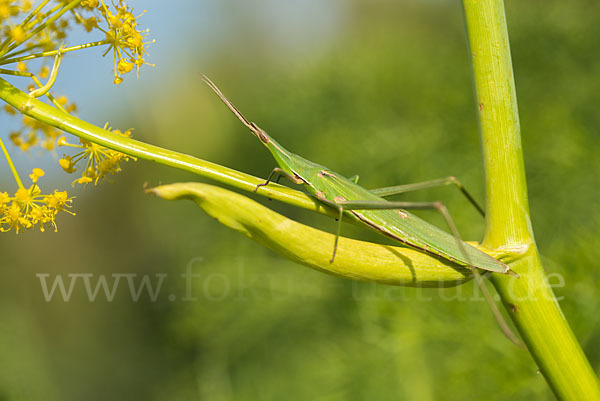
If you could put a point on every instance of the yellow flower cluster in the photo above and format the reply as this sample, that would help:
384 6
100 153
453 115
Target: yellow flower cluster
101 161
17 26
31 31
42 30
29 207
122 34
12 8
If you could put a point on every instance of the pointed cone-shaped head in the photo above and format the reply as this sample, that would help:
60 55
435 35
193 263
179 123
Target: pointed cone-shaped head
281 155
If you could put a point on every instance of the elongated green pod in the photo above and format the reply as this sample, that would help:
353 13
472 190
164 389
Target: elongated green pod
358 260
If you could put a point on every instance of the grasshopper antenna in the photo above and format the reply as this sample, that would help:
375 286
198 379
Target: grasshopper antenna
251 126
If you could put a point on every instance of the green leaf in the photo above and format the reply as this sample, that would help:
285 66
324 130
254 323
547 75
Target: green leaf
355 259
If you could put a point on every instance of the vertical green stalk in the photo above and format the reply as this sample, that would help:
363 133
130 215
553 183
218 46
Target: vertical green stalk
11 164
529 300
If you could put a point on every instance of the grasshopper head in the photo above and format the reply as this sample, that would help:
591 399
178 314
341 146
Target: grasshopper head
281 155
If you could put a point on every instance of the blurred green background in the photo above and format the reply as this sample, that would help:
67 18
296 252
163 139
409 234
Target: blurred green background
380 88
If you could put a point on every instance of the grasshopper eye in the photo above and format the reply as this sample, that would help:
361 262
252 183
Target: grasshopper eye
262 135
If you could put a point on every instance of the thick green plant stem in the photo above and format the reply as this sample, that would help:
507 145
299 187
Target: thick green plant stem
529 300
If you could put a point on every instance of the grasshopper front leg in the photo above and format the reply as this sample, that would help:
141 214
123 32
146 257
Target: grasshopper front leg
276 174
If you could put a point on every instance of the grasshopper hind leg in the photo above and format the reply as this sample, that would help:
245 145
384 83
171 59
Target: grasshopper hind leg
338 232
340 210
401 189
440 207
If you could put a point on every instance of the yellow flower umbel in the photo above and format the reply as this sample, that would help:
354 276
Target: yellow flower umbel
30 207
101 161
31 32
125 40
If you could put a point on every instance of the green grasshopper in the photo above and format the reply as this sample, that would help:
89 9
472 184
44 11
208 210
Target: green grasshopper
371 209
